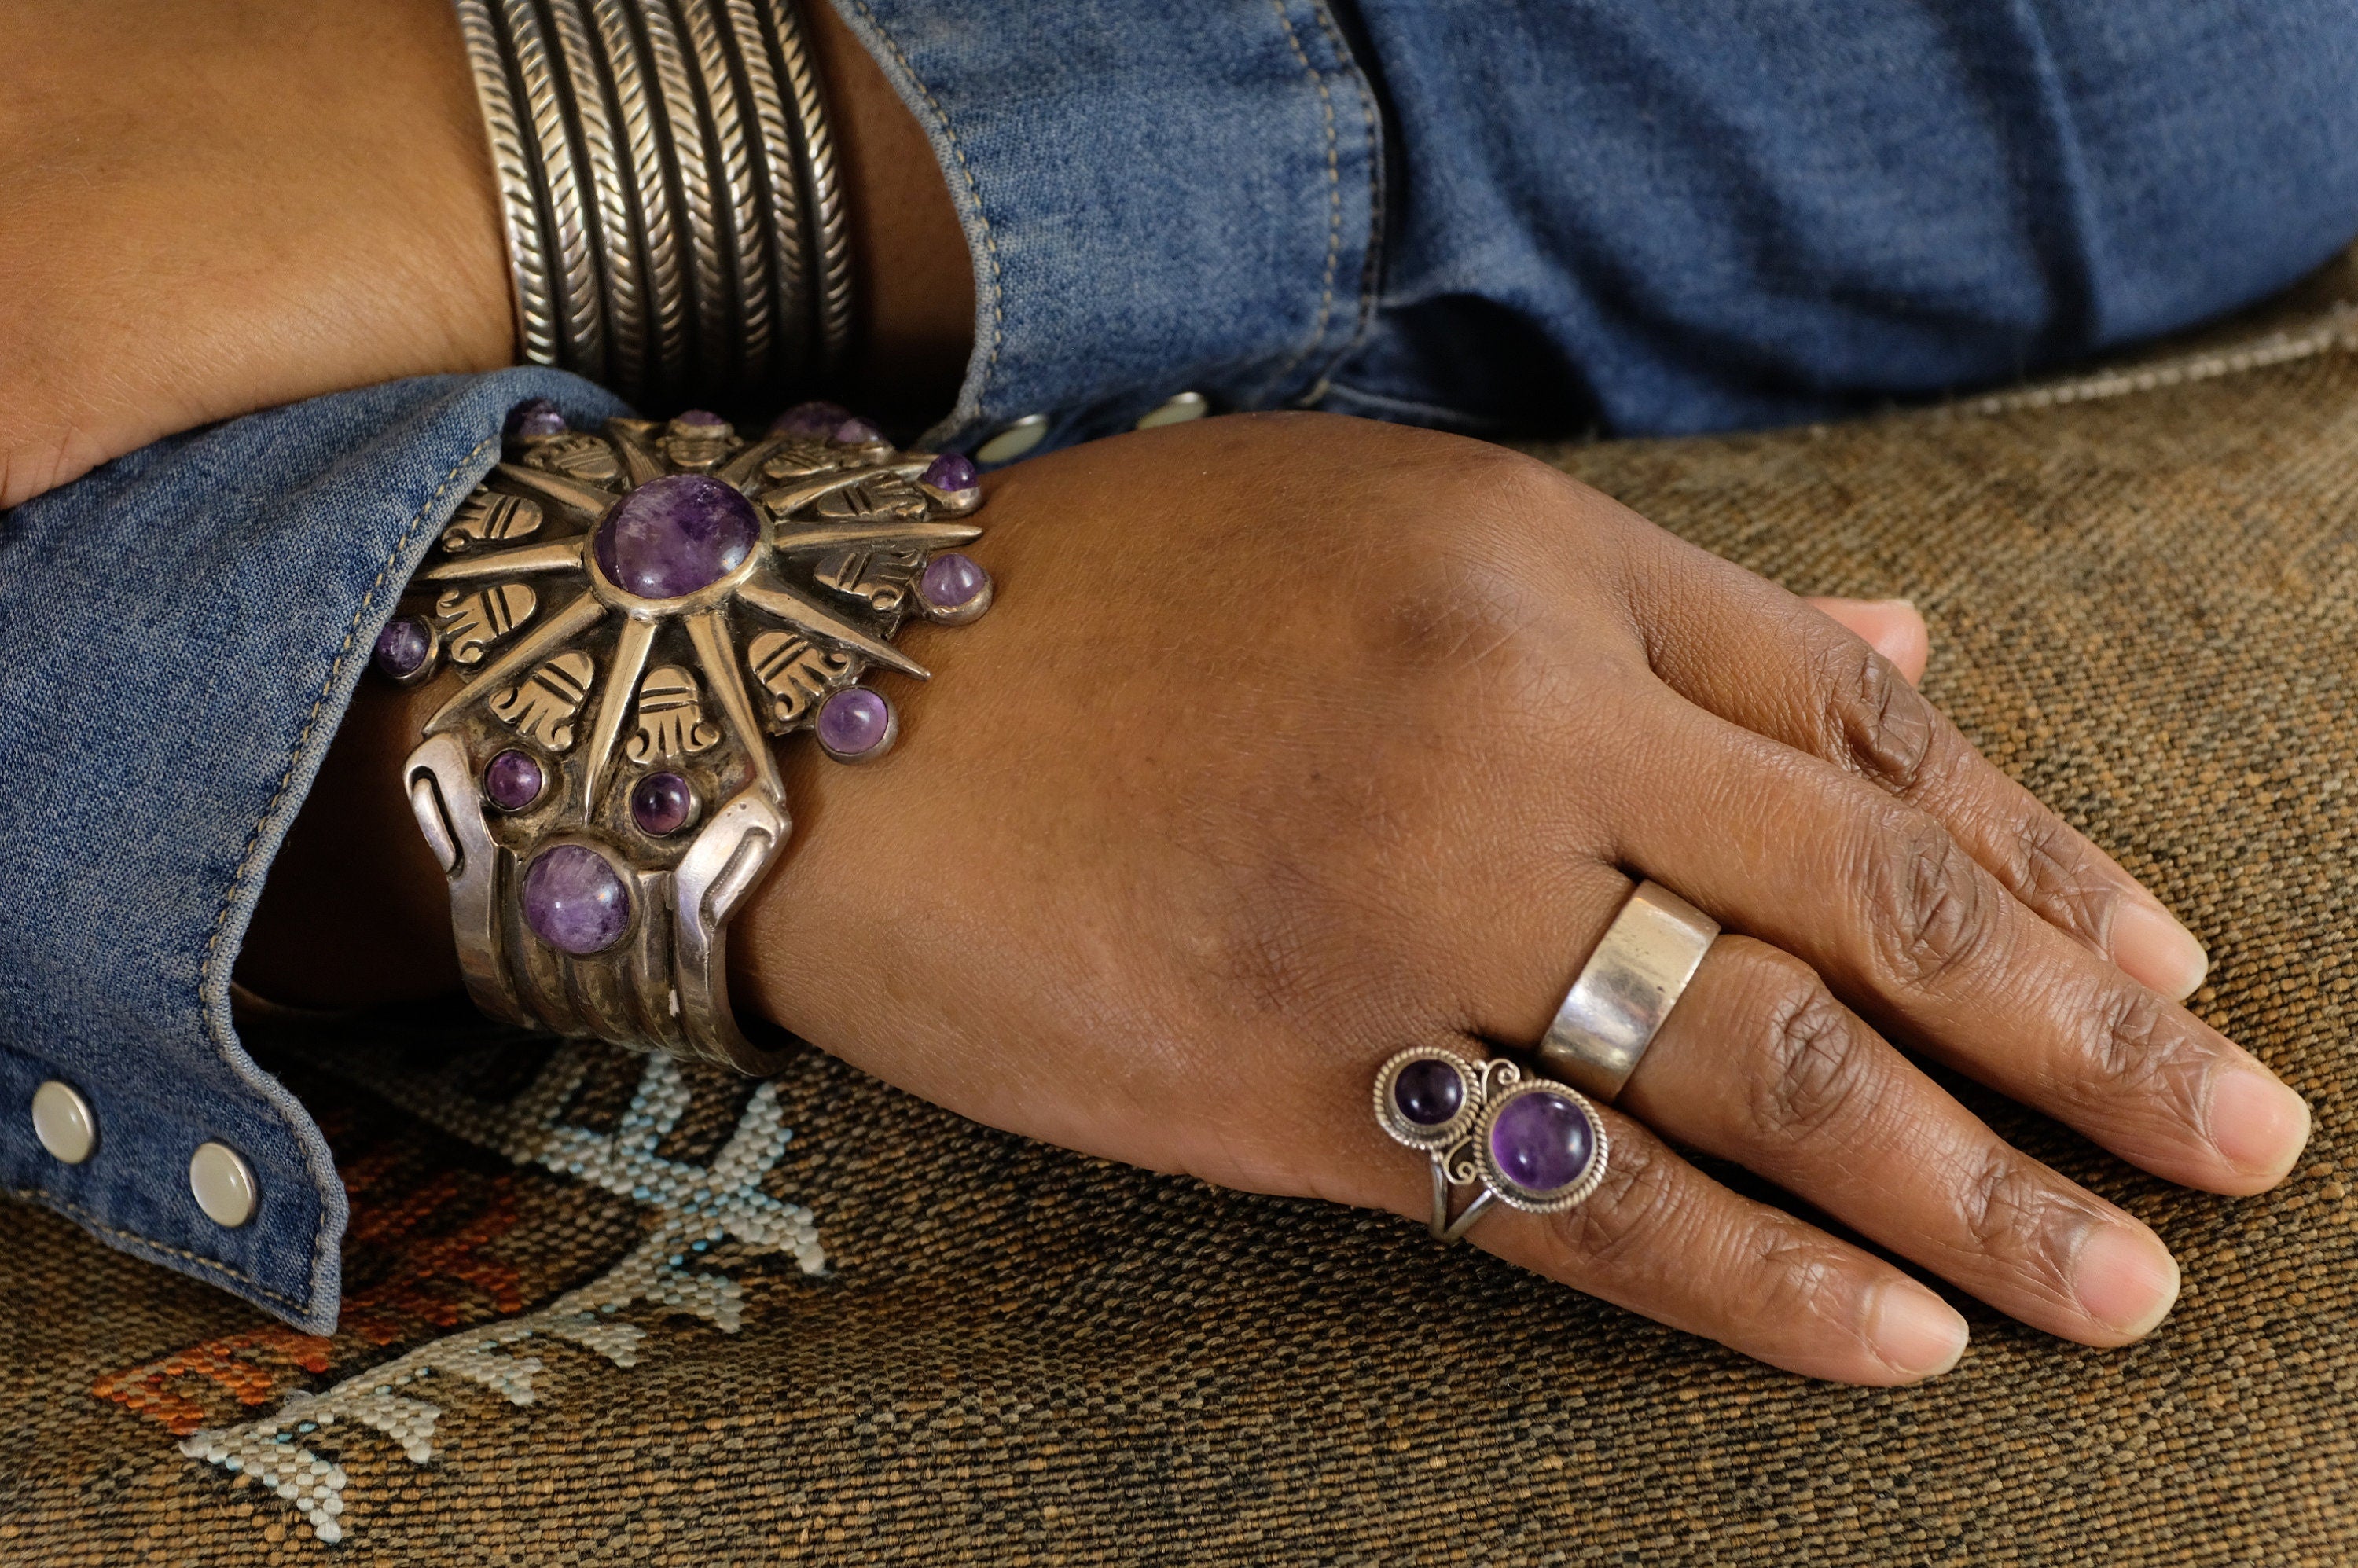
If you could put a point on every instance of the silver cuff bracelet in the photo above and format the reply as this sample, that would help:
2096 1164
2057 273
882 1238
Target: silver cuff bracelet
636 613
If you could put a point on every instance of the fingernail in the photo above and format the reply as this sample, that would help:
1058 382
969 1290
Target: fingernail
2149 942
1916 1332
2260 1125
2124 1279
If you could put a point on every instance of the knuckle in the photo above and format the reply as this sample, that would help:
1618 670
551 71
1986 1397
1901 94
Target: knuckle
1625 1216
1883 728
1814 1067
1930 906
2051 872
2137 1050
1797 1276
2020 1219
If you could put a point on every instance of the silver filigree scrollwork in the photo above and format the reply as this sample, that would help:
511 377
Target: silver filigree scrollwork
633 614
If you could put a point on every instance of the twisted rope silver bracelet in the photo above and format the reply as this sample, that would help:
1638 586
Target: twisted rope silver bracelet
669 194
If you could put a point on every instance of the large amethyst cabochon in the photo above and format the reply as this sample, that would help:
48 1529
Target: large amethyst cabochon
675 534
1542 1142
575 899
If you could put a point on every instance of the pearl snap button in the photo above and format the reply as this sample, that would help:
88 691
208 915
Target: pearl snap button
1178 411
223 1185
1014 441
62 1121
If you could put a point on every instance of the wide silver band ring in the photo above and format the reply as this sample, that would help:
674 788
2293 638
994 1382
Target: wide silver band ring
1626 990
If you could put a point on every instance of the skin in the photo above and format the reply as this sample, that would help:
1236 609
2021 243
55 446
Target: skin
1183 842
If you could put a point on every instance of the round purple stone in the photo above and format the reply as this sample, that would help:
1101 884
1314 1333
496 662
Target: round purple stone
853 722
675 534
534 416
809 419
857 433
660 803
401 647
951 471
1540 1142
1429 1092
575 899
513 780
698 416
951 581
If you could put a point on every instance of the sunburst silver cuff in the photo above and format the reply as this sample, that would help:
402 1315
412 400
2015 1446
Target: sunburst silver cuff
633 614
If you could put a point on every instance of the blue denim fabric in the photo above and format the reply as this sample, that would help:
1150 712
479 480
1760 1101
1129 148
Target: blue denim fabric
179 634
1682 216
1479 213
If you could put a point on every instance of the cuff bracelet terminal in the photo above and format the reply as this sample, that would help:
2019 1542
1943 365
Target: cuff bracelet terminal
634 614
669 190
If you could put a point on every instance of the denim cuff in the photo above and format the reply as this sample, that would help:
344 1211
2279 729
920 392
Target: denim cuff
1193 191
181 632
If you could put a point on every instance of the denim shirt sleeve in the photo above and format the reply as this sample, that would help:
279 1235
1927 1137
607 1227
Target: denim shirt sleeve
179 635
1538 216
1157 198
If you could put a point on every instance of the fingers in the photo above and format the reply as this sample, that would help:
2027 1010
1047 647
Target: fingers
1752 654
1661 1237
1877 898
1760 1065
1892 627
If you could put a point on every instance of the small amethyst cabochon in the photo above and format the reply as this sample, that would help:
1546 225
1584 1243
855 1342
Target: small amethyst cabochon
854 724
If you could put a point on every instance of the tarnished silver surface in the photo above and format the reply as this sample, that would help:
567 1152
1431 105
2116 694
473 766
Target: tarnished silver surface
602 689
670 195
778 179
614 227
1459 1147
827 225
735 198
662 244
1626 990
580 306
528 275
710 289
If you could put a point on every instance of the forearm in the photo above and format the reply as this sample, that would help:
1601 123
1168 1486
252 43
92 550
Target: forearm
212 210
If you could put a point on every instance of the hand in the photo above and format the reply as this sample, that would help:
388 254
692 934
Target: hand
1295 741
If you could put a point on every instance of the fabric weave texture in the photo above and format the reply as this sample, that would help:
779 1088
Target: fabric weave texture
2143 605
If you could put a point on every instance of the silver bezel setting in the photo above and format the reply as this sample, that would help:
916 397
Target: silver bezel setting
603 688
1511 1193
1414 1134
1460 1149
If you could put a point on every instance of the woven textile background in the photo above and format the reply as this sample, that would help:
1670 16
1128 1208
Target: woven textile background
907 1339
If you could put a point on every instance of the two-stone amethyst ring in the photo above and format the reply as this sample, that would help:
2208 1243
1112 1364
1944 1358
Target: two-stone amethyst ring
635 611
1527 1142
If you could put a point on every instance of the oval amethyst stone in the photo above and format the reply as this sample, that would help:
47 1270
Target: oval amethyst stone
1540 1142
660 803
951 581
1429 1092
854 722
809 419
952 472
534 416
700 417
575 901
675 534
513 780
857 432
401 647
